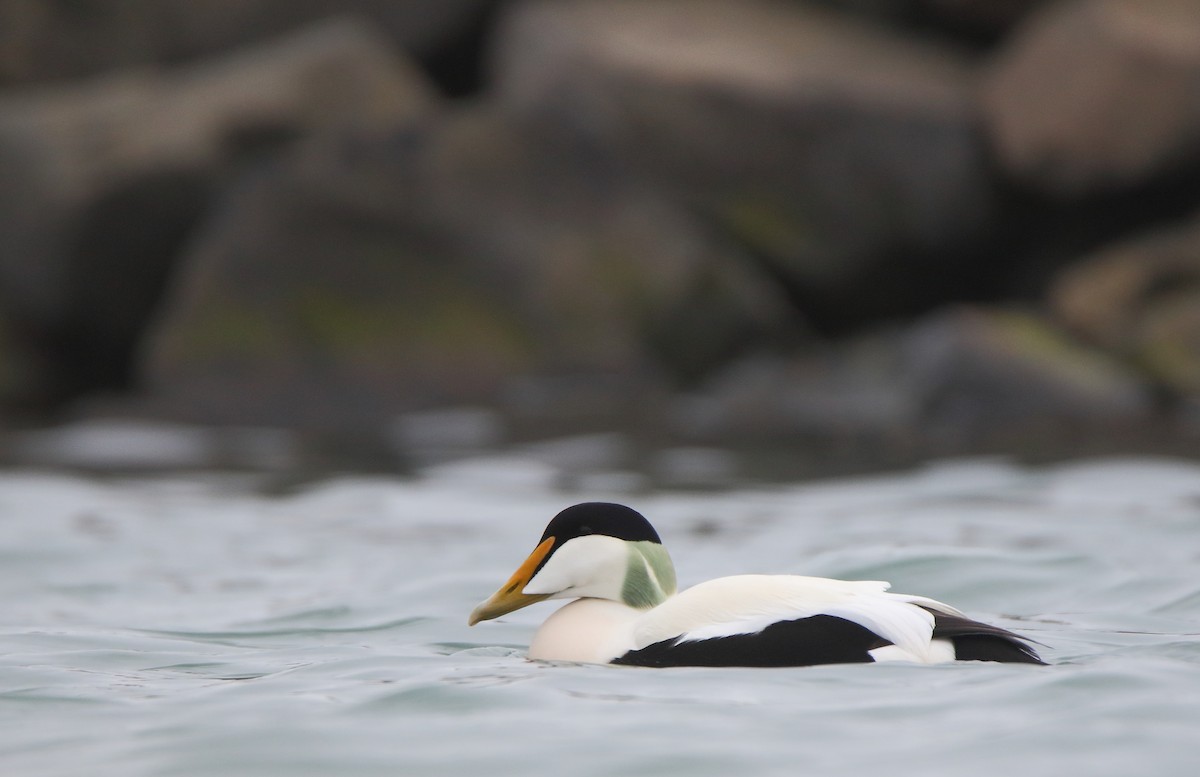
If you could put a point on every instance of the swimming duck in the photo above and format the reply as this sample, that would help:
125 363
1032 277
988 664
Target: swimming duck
611 562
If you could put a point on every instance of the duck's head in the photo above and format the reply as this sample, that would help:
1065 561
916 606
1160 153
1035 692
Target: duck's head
594 549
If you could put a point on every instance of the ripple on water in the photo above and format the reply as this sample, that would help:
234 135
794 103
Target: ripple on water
231 636
208 631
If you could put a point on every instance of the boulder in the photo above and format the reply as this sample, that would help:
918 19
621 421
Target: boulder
1097 95
445 264
983 15
845 400
104 179
970 19
844 158
1140 300
961 381
42 41
988 373
15 378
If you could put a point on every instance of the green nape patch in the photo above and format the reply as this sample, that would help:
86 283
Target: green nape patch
649 577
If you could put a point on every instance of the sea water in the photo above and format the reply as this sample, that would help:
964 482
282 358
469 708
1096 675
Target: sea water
183 626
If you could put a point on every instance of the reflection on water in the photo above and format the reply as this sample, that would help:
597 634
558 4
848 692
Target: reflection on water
195 626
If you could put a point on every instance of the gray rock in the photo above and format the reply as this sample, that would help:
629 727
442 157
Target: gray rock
1094 95
826 147
138 445
961 381
991 15
982 373
1140 300
18 371
987 17
440 266
845 393
103 179
42 41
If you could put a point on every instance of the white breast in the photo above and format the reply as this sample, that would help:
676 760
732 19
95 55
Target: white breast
593 631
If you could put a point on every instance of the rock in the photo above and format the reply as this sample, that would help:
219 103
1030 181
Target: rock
983 15
988 373
1141 301
42 41
128 445
446 432
962 381
17 374
841 156
840 393
965 18
440 266
104 179
1096 95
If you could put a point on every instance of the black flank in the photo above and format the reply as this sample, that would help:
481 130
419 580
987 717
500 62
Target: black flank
821 639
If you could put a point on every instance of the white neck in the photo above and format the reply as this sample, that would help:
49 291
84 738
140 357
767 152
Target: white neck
638 574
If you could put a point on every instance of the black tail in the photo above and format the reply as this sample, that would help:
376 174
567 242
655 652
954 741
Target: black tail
975 641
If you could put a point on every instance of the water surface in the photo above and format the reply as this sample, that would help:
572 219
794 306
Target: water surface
193 626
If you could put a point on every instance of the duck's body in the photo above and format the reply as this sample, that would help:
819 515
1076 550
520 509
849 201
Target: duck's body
626 610
748 620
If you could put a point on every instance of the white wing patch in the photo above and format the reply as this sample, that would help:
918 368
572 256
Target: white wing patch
940 651
747 604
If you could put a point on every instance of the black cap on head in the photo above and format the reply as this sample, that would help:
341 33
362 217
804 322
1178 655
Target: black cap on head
606 518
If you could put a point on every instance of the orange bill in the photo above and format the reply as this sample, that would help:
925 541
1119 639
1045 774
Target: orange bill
511 595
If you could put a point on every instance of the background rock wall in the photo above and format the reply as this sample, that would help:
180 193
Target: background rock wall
887 228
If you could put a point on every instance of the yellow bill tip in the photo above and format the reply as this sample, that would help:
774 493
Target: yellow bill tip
511 595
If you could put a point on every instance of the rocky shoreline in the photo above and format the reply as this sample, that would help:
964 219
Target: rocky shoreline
881 232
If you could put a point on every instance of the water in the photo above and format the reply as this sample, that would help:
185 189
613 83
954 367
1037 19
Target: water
193 626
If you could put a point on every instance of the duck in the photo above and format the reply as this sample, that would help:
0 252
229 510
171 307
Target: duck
625 609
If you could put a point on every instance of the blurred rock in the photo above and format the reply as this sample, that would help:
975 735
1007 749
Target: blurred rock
846 159
695 467
970 18
846 393
961 381
14 377
437 266
434 433
104 179
1092 95
652 196
1141 300
987 15
981 374
42 40
125 445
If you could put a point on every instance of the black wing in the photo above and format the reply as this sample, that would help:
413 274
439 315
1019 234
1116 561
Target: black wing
827 639
975 641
